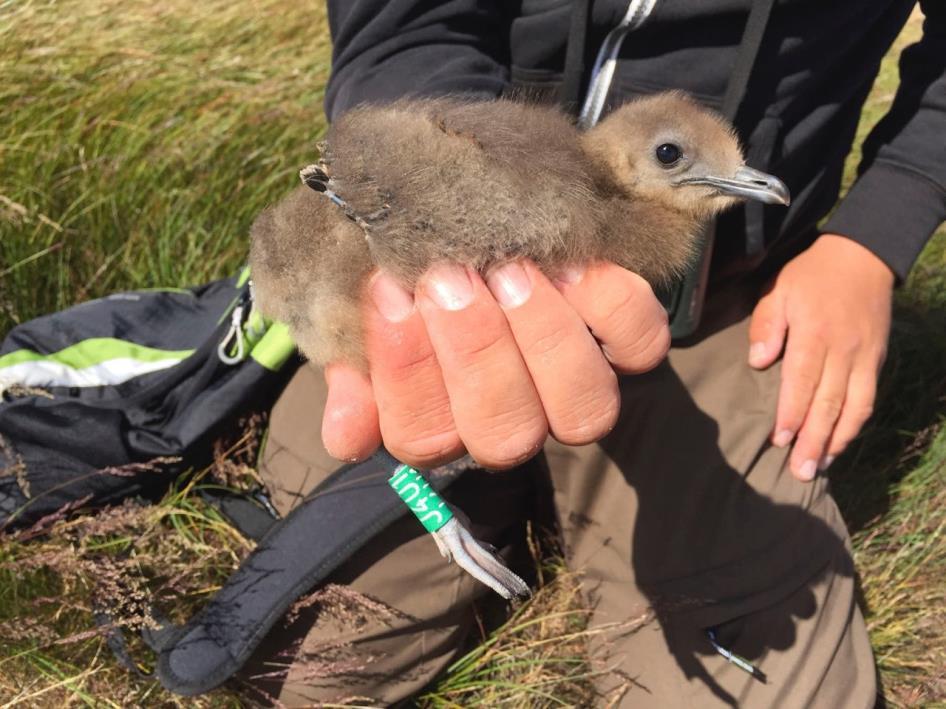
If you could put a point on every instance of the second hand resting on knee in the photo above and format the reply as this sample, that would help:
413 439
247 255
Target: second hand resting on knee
829 310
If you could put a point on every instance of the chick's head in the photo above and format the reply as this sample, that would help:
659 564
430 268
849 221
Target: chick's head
668 149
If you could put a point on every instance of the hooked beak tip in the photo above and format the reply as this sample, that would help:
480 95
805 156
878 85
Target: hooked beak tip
748 183
763 186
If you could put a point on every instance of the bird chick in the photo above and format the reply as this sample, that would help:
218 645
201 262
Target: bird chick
412 183
405 185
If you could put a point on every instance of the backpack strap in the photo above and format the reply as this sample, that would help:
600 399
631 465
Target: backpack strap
251 512
745 59
733 102
336 519
574 74
687 298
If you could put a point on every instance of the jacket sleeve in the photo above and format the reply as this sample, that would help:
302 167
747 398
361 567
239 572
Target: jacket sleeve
384 50
899 198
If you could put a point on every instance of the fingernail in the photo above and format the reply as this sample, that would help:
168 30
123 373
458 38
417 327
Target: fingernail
509 284
449 286
826 462
757 354
783 438
808 470
391 299
570 275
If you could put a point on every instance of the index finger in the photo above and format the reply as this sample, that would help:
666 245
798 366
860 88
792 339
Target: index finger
415 420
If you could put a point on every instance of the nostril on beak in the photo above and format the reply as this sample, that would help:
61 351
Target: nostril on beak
760 186
746 183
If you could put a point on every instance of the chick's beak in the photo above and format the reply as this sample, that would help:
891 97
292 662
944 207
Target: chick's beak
747 183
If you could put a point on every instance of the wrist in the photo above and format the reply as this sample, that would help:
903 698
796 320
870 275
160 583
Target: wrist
856 256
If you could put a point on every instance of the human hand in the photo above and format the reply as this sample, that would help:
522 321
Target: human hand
492 367
833 301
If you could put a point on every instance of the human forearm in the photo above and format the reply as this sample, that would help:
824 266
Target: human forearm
900 196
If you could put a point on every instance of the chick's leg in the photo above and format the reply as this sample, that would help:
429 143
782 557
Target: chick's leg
451 535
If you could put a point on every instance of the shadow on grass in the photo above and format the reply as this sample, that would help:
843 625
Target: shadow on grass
910 404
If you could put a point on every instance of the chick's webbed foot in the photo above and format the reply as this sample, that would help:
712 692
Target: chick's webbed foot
457 544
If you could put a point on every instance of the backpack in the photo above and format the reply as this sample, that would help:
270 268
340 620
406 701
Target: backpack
116 397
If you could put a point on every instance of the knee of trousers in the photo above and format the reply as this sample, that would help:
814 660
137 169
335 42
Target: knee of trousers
293 460
811 647
390 619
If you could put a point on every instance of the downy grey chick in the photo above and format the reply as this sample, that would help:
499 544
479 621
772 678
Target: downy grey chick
404 185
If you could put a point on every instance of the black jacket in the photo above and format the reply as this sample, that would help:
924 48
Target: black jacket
813 72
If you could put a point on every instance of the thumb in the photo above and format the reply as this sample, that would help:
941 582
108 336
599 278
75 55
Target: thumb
767 330
350 428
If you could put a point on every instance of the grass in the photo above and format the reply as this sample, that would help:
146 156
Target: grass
139 140
137 143
536 658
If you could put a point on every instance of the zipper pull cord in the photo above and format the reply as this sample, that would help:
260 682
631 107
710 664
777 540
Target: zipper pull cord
740 662
602 74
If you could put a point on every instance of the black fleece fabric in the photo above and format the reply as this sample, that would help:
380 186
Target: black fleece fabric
798 120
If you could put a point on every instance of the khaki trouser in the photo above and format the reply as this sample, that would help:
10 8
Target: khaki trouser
684 515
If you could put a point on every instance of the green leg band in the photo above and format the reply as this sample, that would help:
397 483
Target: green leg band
417 494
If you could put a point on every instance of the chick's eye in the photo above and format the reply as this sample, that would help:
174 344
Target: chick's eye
668 154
